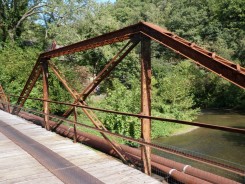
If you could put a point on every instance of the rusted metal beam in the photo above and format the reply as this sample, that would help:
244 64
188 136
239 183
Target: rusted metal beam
69 111
109 67
36 71
106 39
101 76
93 118
104 73
3 98
145 61
101 144
75 126
69 89
63 81
98 124
199 124
222 67
158 147
45 93
209 60
8 106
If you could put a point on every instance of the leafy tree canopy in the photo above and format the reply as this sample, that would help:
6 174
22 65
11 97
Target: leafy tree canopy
179 88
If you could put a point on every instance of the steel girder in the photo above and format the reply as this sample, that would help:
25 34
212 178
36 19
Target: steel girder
143 32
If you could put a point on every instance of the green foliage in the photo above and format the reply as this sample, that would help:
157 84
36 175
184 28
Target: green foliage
173 95
212 92
124 99
57 92
219 27
13 13
16 65
172 98
187 18
178 87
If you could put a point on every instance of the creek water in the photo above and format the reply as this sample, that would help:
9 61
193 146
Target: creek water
224 147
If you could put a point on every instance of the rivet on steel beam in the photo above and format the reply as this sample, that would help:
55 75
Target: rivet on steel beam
192 45
238 67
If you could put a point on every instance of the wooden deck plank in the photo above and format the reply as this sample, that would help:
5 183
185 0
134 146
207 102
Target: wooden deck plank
16 165
103 167
39 178
112 171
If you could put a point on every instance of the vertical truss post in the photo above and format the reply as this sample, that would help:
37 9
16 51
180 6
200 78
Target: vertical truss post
74 125
45 93
145 61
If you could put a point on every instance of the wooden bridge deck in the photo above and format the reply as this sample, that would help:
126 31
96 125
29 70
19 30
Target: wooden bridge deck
18 165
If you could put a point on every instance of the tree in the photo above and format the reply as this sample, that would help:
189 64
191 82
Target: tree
178 86
171 98
12 15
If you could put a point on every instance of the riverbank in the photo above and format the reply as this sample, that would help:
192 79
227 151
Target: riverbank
207 112
185 129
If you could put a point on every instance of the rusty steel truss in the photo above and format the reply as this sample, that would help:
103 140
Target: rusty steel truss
4 99
142 33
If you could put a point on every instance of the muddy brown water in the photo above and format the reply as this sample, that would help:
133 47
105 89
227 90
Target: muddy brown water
224 147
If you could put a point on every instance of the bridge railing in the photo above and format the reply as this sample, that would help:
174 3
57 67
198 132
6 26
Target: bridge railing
141 33
162 166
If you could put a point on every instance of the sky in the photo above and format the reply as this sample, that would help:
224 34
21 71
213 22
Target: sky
102 1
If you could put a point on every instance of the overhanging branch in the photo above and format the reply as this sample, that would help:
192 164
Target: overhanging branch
30 12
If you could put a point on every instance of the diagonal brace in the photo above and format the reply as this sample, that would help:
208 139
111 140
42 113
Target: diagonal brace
104 73
90 114
3 98
28 86
108 68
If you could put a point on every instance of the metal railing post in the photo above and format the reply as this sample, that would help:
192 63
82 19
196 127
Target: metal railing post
8 106
74 125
